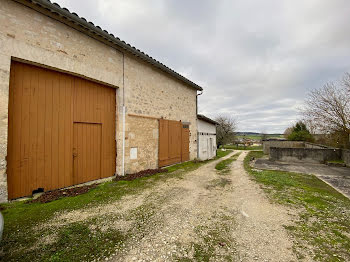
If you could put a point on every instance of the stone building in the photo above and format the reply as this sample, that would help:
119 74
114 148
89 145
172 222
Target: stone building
78 104
206 137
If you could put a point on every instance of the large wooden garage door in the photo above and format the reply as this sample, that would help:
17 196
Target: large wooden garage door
50 114
173 142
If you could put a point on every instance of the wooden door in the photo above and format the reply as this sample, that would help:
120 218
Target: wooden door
173 142
43 105
87 152
185 137
174 155
163 148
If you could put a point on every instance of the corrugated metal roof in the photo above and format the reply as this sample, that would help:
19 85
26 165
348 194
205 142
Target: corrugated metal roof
207 119
72 19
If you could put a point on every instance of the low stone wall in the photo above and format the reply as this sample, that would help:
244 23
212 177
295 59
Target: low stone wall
346 157
309 155
310 145
267 144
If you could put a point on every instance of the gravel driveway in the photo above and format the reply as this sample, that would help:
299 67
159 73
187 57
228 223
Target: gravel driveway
205 216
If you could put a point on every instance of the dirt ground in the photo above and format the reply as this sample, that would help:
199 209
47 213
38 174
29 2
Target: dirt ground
337 177
205 216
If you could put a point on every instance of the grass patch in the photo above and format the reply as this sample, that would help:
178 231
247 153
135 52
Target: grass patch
323 225
215 241
243 148
221 153
336 162
192 165
220 182
20 236
224 165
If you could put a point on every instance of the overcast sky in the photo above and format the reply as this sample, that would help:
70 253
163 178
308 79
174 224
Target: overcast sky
256 60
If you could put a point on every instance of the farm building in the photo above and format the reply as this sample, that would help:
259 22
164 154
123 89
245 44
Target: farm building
206 137
78 104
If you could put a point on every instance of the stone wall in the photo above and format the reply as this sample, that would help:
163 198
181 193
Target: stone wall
151 93
267 144
309 155
141 144
346 157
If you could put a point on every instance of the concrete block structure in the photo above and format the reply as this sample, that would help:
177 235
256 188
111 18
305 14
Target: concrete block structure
206 137
49 59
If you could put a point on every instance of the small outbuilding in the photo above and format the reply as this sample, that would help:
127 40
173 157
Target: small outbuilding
206 137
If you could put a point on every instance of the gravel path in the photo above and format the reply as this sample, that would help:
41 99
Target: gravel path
203 216
211 216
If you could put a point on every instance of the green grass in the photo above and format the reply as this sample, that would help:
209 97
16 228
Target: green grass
216 243
224 165
220 153
243 148
322 226
192 165
74 240
336 162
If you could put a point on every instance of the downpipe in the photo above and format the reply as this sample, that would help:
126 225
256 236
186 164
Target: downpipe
123 162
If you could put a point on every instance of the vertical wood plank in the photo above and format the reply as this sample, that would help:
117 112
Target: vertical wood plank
31 176
67 133
9 170
48 131
55 132
40 159
15 131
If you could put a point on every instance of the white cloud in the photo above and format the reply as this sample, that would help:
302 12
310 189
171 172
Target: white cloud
255 59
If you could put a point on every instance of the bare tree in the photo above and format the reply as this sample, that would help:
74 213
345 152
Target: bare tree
328 108
225 132
346 82
287 132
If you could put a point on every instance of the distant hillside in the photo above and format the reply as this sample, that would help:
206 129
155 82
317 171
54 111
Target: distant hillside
256 136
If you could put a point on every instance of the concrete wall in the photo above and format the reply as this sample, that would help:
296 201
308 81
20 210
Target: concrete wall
346 157
206 140
267 144
310 145
28 35
205 127
310 155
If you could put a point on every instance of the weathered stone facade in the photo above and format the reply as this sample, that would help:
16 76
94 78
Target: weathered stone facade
27 35
149 92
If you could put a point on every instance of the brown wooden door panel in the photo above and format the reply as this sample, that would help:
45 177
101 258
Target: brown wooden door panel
173 143
185 152
43 105
163 142
87 152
